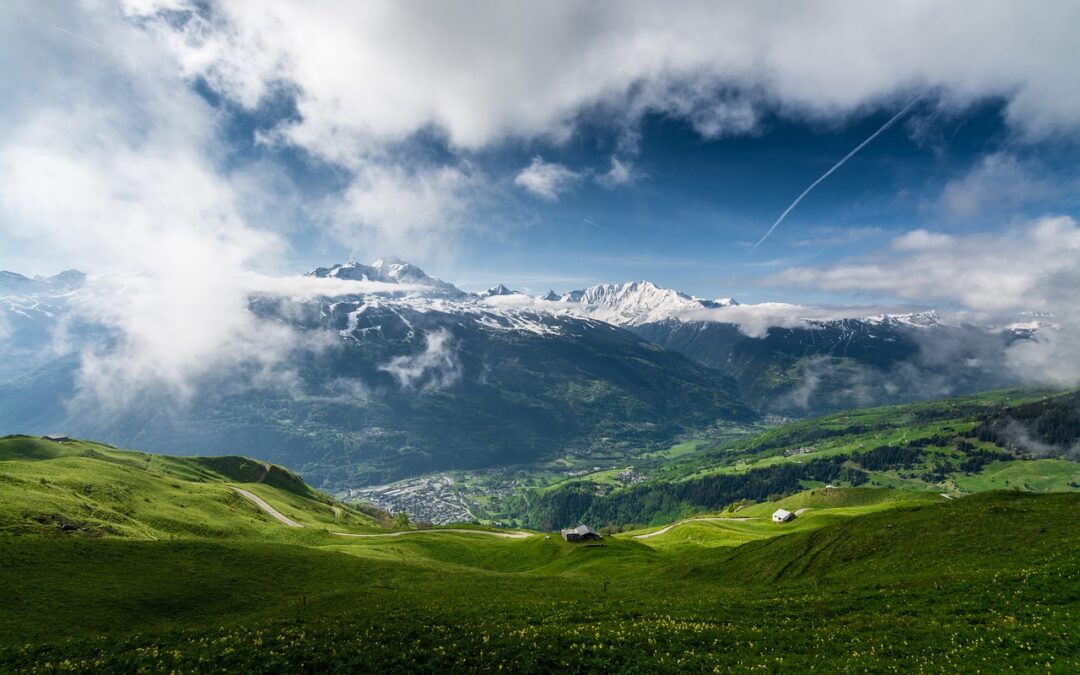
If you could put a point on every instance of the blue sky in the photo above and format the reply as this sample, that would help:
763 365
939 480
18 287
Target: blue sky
694 206
548 146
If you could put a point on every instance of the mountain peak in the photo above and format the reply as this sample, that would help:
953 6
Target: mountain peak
388 269
636 302
497 289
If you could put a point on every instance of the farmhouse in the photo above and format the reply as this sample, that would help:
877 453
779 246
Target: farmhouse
580 533
782 516
56 438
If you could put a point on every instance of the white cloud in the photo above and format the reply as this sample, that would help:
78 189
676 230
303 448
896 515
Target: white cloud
393 208
546 180
305 287
621 173
477 72
921 240
1028 268
992 272
370 78
110 163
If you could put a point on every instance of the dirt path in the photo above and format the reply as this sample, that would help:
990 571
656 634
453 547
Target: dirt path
665 530
504 535
261 503
285 520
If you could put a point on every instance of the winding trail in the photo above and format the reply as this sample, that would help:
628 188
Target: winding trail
665 530
261 503
285 520
504 535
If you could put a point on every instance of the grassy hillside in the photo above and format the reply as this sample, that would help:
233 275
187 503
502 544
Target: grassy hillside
121 561
999 440
86 488
958 584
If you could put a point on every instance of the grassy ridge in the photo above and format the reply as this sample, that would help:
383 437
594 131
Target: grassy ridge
80 487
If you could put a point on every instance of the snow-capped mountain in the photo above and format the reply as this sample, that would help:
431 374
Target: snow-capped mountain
388 270
496 290
381 385
29 310
634 303
435 355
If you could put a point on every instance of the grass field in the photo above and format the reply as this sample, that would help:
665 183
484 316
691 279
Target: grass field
863 580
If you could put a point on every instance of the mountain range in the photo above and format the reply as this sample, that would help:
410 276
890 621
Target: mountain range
431 377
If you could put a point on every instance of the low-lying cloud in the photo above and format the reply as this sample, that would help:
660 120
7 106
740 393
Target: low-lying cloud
437 367
1029 268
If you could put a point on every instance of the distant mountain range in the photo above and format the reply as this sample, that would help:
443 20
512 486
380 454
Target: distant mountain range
433 377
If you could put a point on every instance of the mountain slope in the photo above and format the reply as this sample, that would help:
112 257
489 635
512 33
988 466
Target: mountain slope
846 363
955 446
398 384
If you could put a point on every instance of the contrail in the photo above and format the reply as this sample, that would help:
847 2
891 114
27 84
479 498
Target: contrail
836 166
597 225
48 24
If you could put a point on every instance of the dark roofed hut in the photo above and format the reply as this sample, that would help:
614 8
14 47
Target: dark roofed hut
581 533
56 438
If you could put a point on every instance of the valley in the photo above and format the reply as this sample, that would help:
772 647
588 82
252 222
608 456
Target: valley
938 447
420 378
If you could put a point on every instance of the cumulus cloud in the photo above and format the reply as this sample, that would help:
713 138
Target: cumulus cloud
111 159
546 180
1011 270
380 75
436 367
385 70
394 208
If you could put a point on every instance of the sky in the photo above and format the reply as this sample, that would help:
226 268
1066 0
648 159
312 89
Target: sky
550 146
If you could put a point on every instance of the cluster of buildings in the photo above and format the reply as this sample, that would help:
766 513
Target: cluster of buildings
430 500
629 476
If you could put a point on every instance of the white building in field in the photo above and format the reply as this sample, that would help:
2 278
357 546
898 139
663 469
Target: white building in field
782 516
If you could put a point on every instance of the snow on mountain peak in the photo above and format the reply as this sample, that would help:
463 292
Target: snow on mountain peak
634 303
497 289
389 270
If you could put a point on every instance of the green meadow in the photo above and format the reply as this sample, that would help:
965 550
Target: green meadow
115 561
